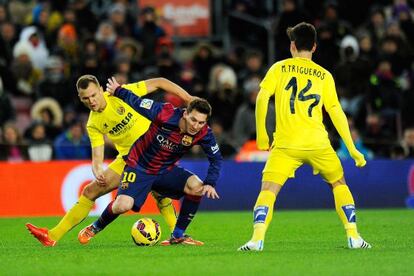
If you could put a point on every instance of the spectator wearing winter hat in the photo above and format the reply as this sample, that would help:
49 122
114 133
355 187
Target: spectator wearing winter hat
225 96
34 46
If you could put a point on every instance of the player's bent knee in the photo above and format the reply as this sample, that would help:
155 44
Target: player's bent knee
271 186
338 182
91 191
122 204
193 185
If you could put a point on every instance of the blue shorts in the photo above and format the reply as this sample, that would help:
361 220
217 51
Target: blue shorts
138 184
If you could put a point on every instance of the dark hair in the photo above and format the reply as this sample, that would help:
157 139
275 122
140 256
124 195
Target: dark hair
83 81
304 36
201 105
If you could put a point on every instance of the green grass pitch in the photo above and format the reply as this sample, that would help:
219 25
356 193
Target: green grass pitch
297 243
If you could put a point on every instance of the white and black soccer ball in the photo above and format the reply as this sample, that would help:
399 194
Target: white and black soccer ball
146 232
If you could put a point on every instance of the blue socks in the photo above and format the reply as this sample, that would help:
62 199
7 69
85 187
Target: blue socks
188 210
106 218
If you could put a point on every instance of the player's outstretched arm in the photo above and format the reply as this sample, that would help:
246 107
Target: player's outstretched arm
169 86
341 124
262 102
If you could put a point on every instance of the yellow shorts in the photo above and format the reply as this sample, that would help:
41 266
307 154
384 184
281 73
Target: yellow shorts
282 164
117 165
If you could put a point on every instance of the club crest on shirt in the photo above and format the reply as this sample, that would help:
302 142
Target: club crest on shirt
124 185
187 140
120 110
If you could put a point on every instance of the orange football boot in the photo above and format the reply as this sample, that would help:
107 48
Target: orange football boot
86 234
186 239
41 234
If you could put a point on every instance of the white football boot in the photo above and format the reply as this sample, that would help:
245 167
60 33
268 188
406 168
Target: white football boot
357 243
252 246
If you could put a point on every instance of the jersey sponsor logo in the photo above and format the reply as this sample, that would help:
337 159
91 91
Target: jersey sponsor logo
349 211
260 214
120 110
187 140
146 103
215 148
167 144
121 125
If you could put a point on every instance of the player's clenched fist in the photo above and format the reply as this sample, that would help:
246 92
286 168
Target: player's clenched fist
359 158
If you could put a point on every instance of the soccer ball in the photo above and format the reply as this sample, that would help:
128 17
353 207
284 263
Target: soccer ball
146 232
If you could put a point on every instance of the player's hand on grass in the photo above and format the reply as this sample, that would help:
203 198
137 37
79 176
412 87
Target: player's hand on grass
358 157
209 191
112 85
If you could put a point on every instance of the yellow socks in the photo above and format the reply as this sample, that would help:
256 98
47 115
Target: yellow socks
72 218
345 207
167 210
262 214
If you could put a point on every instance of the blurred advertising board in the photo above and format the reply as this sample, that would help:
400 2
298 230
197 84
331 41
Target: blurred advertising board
182 17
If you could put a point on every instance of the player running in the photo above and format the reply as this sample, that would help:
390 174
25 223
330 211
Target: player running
114 118
152 162
301 87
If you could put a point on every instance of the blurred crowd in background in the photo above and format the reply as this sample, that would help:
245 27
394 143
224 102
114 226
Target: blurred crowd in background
46 45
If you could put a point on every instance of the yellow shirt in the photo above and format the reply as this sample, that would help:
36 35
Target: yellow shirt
301 87
118 121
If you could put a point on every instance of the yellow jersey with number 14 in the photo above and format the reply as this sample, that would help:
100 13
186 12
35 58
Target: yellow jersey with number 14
301 87
118 121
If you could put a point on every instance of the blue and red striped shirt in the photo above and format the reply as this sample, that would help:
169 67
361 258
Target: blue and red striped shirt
158 150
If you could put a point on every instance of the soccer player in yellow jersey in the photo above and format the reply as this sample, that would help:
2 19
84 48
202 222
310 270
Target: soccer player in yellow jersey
114 118
301 88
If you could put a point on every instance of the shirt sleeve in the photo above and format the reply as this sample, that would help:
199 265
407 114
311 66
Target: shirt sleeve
330 97
269 81
146 107
138 88
211 148
95 136
268 87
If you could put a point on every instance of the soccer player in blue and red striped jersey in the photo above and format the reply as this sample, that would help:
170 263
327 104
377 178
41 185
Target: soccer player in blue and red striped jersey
152 162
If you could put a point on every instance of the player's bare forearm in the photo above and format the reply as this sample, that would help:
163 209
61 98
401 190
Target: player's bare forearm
169 86
97 164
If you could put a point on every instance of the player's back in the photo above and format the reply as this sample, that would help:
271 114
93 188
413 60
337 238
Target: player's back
300 87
